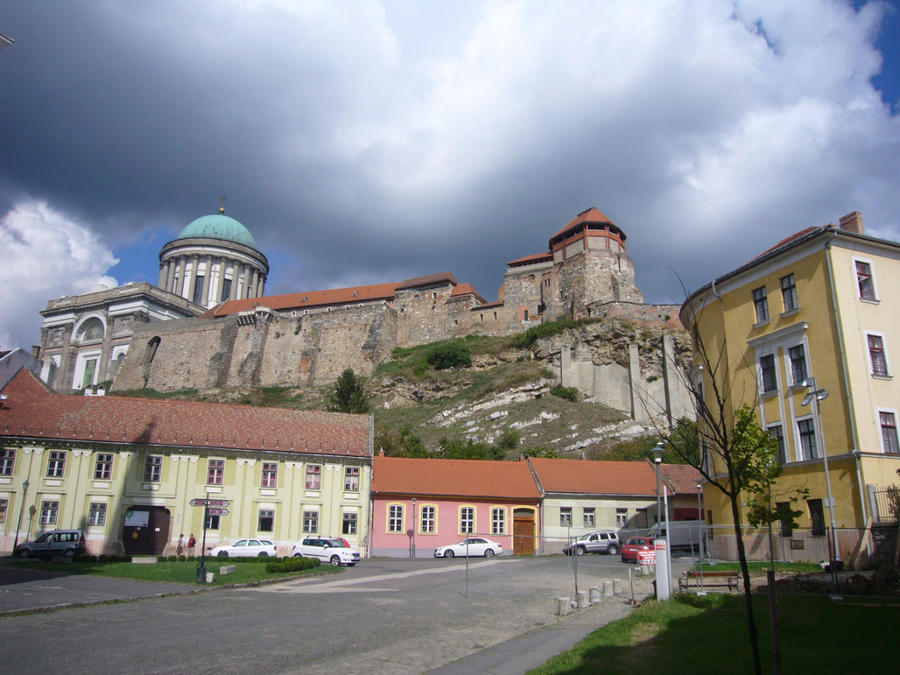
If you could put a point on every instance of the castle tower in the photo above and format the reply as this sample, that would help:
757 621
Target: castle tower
214 259
593 266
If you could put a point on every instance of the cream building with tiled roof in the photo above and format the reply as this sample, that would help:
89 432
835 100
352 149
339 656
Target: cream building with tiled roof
125 470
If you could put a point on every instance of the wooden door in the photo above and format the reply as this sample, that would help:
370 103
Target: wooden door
523 533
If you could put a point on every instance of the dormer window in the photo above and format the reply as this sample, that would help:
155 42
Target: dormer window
90 331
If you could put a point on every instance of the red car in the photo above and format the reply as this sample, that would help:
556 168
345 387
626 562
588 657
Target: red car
633 545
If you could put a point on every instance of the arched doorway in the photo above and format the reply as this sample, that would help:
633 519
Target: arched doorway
146 530
523 531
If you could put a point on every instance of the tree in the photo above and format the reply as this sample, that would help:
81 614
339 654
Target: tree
349 394
456 448
404 444
449 355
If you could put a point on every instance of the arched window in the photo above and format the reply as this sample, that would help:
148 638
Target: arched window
90 330
150 352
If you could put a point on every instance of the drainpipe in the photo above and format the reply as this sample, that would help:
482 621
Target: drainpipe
836 312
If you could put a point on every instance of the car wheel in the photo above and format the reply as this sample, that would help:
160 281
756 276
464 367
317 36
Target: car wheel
613 549
580 550
24 553
263 554
448 554
223 554
70 553
488 553
335 561
298 555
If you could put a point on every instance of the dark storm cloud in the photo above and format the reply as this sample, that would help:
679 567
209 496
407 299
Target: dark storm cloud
362 143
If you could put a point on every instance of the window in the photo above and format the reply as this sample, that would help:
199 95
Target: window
888 432
807 439
777 432
313 477
49 512
310 522
3 504
589 516
103 467
565 516
621 517
395 518
876 355
864 280
427 519
216 472
153 469
798 364
7 461
90 367
213 522
198 289
816 517
498 520
226 290
467 520
56 464
351 479
787 527
761 303
97 515
767 372
789 293
266 520
269 475
348 526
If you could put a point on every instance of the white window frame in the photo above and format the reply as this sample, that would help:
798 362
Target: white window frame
789 365
8 462
97 514
80 365
396 518
49 515
467 520
565 514
56 461
155 475
799 443
498 520
884 346
787 450
892 411
428 519
350 518
100 463
351 478
310 516
589 511
872 277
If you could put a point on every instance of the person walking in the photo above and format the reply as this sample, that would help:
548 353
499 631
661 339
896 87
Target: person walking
192 542
179 548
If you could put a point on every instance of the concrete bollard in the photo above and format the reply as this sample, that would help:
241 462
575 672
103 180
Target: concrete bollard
607 589
564 606
226 569
618 586
209 577
582 599
595 594
645 570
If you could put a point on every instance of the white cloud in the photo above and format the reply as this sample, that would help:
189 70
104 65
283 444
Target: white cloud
46 255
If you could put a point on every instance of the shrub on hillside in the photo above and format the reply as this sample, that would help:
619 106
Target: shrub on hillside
568 393
532 335
292 565
449 355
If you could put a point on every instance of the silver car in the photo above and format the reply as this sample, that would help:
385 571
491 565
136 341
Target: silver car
57 542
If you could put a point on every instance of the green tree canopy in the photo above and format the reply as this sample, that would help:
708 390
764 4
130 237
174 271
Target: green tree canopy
349 394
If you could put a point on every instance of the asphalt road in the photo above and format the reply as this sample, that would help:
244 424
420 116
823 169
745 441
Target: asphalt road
381 617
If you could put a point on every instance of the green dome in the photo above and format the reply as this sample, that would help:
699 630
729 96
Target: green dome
218 226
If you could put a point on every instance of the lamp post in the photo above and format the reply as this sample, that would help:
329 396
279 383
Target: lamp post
658 452
414 526
25 486
814 396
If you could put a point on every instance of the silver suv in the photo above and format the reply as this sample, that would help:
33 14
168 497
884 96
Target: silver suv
601 541
57 542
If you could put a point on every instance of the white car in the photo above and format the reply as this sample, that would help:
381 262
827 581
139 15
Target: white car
334 551
472 547
246 548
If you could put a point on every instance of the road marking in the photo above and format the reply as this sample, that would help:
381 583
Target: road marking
341 585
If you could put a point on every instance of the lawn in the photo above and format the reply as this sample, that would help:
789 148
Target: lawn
176 571
709 635
758 568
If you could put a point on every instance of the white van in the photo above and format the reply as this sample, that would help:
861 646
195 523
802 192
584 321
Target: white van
682 533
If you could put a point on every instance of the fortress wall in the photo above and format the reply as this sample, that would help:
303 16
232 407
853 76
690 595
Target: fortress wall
423 315
664 315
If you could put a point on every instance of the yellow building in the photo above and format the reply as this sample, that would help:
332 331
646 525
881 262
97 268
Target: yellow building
817 308
125 470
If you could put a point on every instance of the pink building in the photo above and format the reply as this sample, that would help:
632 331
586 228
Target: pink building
420 504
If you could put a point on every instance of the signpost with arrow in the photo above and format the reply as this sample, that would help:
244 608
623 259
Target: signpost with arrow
211 507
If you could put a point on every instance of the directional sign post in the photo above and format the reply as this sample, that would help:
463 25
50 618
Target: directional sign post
211 507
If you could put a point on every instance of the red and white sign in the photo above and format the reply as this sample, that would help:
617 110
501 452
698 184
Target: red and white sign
647 557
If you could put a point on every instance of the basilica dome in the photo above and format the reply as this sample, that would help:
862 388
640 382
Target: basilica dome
218 226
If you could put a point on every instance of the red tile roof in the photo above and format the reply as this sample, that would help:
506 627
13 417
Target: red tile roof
533 258
453 478
591 215
466 289
786 241
428 280
32 410
576 476
680 477
334 296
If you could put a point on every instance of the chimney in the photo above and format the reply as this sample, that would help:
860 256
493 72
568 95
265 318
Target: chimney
852 222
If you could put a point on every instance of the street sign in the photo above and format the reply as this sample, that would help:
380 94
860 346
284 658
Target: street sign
647 557
210 502
217 511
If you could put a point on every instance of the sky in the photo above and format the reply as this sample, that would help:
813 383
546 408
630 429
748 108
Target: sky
368 142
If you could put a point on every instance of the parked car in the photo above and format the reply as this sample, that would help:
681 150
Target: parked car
601 541
334 551
246 548
57 542
633 545
472 547
682 533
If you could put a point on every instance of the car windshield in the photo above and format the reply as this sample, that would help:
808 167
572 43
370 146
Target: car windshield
43 538
634 541
336 543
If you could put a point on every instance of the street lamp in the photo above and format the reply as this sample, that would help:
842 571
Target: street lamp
658 452
702 533
814 396
21 509
414 526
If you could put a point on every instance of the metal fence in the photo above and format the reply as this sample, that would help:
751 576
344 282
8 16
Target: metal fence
885 504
